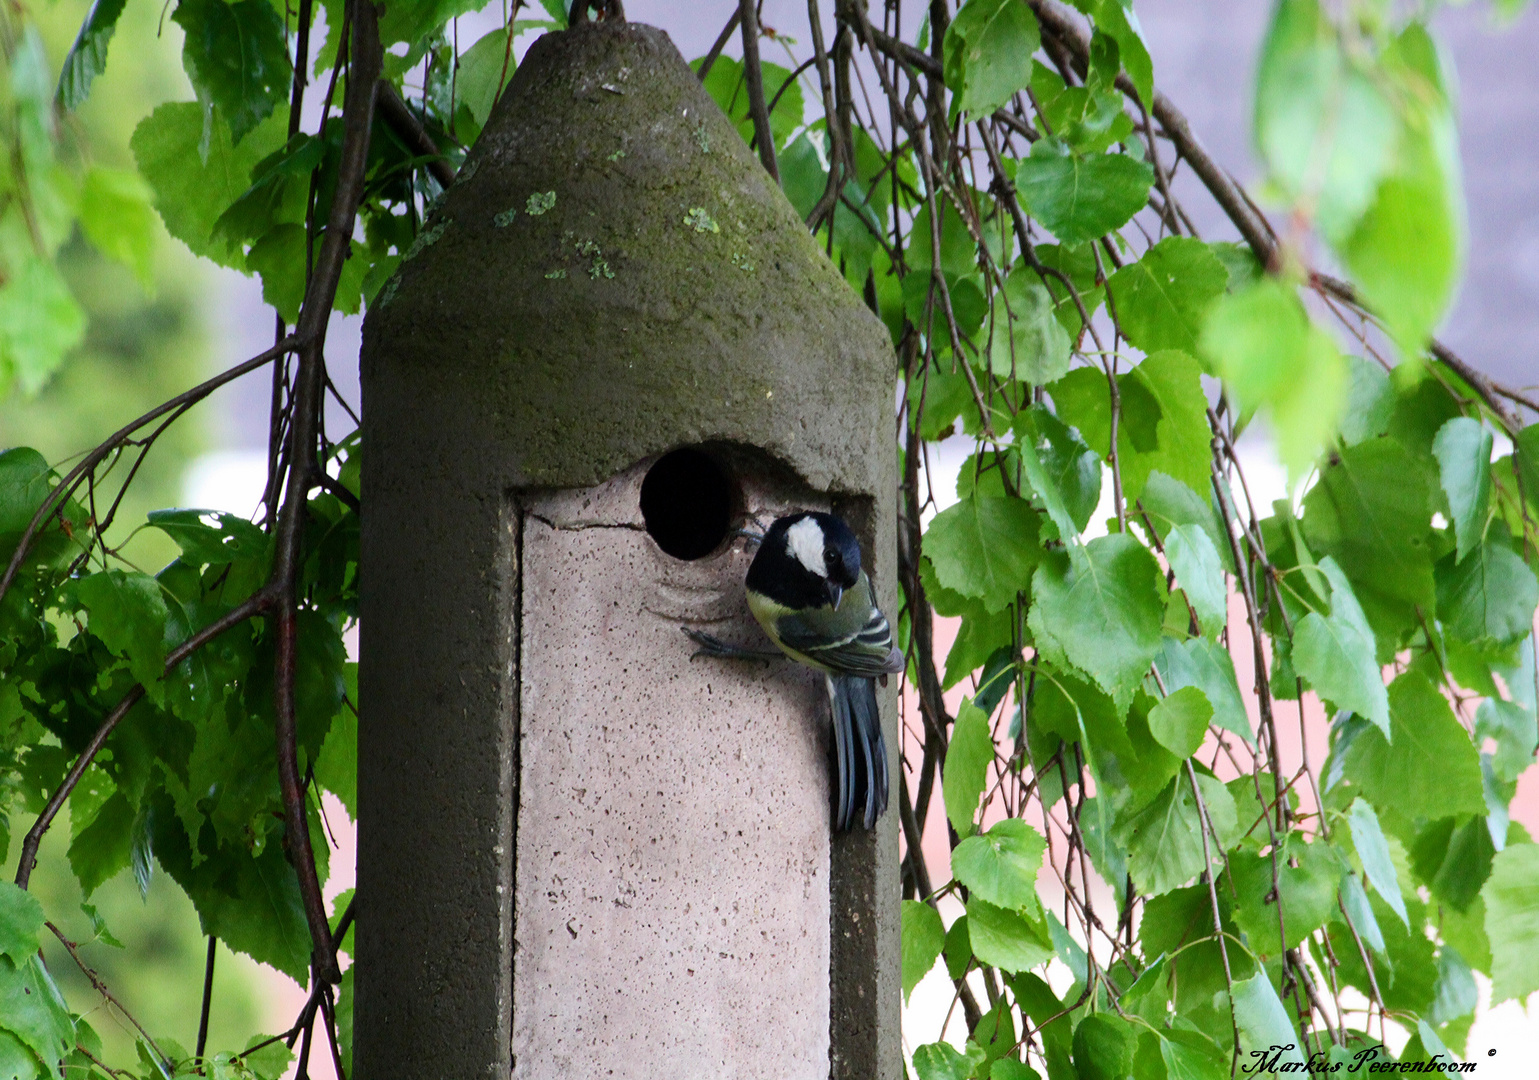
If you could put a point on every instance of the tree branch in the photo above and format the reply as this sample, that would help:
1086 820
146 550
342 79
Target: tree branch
76 476
399 118
753 75
358 115
1056 21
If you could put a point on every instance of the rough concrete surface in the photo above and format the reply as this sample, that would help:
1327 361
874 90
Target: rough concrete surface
567 315
672 896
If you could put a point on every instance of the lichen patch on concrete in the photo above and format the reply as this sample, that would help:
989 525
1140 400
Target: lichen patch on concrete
540 202
426 238
700 220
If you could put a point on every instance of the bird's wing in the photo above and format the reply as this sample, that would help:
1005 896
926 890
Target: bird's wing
854 640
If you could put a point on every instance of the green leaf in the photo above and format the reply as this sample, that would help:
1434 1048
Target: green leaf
726 86
1406 252
1208 667
26 482
1081 198
1117 21
1370 402
128 612
1431 769
272 1061
336 767
1463 452
21 920
102 848
1335 653
1104 614
115 215
1001 865
88 55
40 322
987 53
980 636
1191 1055
1173 381
1164 840
923 938
1053 502
1372 849
1004 939
1200 574
1487 600
252 904
212 538
1323 124
1067 470
484 71
344 1024
1179 721
17 1062
985 547
1372 512
1163 298
35 1012
195 181
1105 1047
1011 1069
99 927
941 1061
1262 1020
414 21
1307 892
1525 459
966 769
279 257
1457 994
1512 922
1355 902
1513 729
237 56
1167 502
1261 342
1026 341
1454 859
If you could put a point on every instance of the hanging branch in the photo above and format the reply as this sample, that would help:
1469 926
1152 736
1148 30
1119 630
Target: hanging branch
753 75
394 112
86 468
302 450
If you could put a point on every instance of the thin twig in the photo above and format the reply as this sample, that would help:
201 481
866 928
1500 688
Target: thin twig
357 112
753 75
104 449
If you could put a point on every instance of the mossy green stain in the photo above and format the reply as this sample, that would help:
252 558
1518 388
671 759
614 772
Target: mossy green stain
700 220
678 315
541 202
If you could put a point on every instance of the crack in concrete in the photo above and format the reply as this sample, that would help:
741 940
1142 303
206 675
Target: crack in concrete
586 525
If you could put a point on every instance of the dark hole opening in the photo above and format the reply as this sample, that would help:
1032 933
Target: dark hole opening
686 500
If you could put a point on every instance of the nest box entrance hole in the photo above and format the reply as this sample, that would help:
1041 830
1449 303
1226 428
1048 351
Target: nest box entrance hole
687 501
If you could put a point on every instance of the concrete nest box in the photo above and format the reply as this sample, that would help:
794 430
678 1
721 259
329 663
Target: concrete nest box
580 852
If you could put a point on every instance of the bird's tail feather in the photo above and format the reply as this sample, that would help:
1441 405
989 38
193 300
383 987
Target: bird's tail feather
860 752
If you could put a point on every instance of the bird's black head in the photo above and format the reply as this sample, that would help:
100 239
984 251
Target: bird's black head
806 560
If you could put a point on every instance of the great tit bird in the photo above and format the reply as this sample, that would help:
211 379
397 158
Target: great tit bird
806 588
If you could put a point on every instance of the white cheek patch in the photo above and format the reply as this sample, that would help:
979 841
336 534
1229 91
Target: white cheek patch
804 541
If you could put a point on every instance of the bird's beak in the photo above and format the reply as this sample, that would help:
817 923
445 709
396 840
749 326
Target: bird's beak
835 593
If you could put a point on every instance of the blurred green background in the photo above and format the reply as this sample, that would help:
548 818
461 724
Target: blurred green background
141 348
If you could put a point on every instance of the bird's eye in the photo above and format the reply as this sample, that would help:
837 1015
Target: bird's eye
831 556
